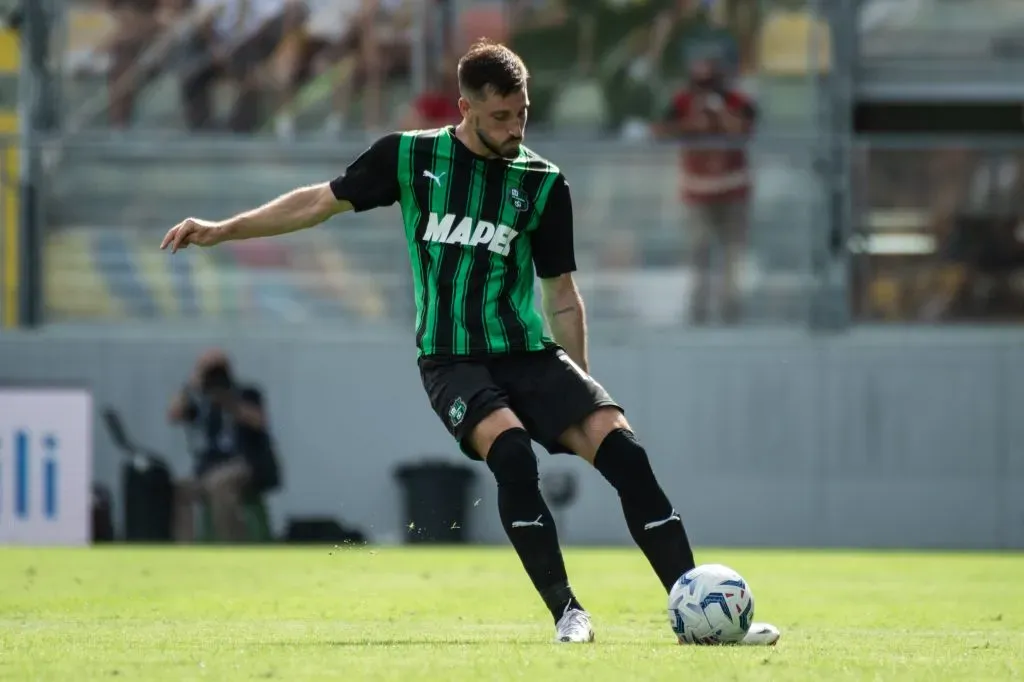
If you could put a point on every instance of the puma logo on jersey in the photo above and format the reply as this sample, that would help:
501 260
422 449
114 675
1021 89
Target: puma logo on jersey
436 178
497 238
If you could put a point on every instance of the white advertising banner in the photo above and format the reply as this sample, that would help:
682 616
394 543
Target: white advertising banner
45 466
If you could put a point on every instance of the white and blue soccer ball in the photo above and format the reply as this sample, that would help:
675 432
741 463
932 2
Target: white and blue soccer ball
710 604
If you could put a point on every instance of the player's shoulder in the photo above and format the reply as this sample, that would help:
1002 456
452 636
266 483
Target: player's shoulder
403 142
530 160
395 140
418 133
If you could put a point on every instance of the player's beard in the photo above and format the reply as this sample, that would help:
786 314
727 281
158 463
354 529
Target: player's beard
509 150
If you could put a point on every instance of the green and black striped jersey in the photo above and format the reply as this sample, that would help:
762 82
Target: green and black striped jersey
476 229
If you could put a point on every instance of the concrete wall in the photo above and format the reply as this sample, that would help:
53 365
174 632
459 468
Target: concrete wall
875 438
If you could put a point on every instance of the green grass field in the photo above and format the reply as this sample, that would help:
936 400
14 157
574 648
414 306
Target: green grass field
469 614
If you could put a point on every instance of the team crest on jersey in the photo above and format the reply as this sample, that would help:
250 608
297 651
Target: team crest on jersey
517 197
457 411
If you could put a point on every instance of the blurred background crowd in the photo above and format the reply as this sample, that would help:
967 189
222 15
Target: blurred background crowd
701 137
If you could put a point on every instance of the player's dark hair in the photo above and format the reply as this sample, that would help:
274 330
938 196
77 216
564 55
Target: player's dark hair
491 66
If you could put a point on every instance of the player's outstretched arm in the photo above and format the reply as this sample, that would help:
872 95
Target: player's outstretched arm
368 182
297 210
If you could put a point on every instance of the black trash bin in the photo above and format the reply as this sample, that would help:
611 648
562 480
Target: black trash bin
436 498
148 490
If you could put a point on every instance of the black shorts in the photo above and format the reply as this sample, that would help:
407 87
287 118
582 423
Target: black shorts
545 389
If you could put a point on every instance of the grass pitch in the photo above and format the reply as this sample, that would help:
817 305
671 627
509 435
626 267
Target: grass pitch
423 614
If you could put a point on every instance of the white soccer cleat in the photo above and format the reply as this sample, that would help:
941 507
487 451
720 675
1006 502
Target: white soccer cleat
761 634
574 626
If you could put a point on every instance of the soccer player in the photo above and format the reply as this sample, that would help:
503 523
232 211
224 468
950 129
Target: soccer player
481 212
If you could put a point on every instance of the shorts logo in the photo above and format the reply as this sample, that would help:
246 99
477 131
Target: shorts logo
517 197
457 412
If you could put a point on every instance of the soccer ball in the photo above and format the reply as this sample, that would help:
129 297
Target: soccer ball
710 604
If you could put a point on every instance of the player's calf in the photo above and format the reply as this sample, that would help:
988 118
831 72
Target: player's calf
527 519
654 524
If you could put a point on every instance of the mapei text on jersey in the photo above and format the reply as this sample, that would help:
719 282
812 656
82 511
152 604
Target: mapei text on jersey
497 238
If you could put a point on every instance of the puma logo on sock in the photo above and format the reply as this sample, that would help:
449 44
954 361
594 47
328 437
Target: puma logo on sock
527 524
656 524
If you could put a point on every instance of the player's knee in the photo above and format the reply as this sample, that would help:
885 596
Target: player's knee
484 434
596 427
602 422
512 460
624 462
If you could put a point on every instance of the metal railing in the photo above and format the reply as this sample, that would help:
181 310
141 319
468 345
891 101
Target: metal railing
634 236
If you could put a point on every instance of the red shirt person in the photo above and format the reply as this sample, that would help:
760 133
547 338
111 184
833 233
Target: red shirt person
714 183
438 104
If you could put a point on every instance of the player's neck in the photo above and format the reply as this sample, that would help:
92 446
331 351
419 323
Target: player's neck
469 139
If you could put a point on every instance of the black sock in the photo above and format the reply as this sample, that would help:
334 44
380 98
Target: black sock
655 526
527 520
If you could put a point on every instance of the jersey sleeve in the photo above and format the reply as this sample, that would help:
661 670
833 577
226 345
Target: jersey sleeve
552 241
371 181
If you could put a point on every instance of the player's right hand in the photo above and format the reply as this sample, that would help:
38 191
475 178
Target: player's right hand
193 231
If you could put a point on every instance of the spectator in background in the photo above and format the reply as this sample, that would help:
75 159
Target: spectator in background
322 44
715 183
137 24
381 42
359 44
231 446
438 104
117 38
236 42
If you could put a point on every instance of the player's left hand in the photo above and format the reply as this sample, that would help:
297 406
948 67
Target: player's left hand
192 231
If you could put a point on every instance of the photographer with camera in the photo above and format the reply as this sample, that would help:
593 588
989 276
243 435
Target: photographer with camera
230 442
